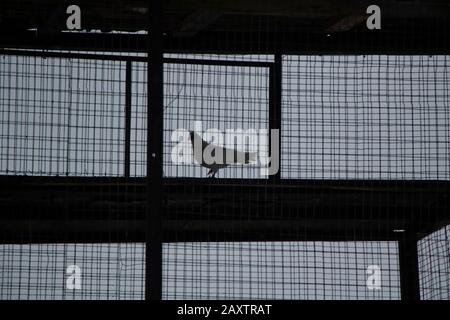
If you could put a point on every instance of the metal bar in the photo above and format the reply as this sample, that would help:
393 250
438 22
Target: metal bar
100 209
109 57
153 266
205 230
219 62
277 112
7 182
409 266
70 55
275 105
400 42
128 80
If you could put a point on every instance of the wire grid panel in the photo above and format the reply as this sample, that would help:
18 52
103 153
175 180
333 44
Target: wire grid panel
279 270
138 132
215 270
43 271
434 265
61 116
220 97
225 98
366 117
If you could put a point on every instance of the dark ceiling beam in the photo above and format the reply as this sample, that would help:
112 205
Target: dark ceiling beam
113 209
130 15
432 39
126 230
346 23
54 21
195 22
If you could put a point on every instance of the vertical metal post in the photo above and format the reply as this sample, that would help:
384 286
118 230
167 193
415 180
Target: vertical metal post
409 266
126 169
153 283
275 87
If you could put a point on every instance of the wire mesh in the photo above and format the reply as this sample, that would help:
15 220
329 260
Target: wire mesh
214 270
220 98
434 265
43 271
279 270
343 118
61 116
366 117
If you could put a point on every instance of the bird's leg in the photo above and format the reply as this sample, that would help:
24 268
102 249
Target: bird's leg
212 173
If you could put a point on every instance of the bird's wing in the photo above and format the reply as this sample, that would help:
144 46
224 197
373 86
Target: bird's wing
240 157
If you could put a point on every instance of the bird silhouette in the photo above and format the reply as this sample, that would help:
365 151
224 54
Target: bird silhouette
239 157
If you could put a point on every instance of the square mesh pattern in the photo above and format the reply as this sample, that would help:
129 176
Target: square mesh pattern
279 270
219 97
434 265
215 270
61 116
366 117
42 271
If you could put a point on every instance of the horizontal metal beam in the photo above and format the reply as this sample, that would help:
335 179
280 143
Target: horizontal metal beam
82 209
414 38
113 231
131 58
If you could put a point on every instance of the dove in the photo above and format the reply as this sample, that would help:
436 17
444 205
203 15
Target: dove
239 157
